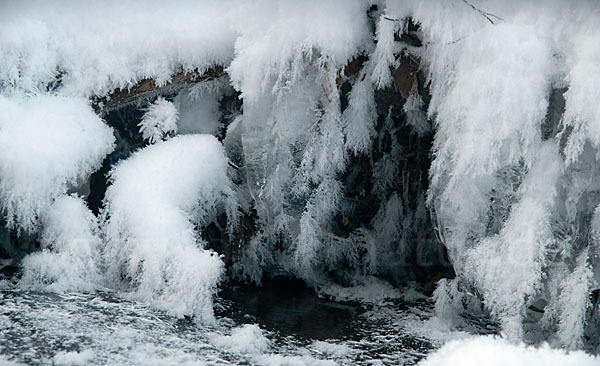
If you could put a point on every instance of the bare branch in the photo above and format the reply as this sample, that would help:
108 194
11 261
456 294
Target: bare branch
484 13
148 87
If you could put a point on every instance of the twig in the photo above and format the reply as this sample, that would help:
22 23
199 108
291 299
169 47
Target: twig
325 93
414 59
484 13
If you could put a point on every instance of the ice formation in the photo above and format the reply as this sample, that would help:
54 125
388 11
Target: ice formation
512 207
198 109
159 121
70 259
156 199
338 115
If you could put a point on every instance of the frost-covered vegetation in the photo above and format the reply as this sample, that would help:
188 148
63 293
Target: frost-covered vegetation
354 138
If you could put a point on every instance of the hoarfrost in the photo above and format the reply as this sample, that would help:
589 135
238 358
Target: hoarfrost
159 121
70 259
156 198
49 144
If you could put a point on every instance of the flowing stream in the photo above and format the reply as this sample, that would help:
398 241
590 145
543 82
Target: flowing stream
104 328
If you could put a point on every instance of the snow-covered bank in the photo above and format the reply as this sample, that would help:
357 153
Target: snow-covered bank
492 351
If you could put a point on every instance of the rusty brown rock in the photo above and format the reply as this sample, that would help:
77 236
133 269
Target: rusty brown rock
405 78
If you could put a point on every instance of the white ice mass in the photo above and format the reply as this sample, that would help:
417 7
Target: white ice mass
156 198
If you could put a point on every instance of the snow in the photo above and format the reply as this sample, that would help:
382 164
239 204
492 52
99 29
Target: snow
574 303
497 351
518 253
582 112
360 117
248 338
266 49
49 144
482 138
156 198
71 246
70 51
8 362
100 46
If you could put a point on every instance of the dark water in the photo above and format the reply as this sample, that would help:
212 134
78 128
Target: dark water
103 328
287 306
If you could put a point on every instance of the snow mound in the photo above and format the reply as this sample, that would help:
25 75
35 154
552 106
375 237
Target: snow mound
157 198
492 351
71 250
49 143
247 339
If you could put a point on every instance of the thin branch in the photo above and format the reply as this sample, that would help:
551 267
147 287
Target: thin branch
484 13
325 93
446 44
